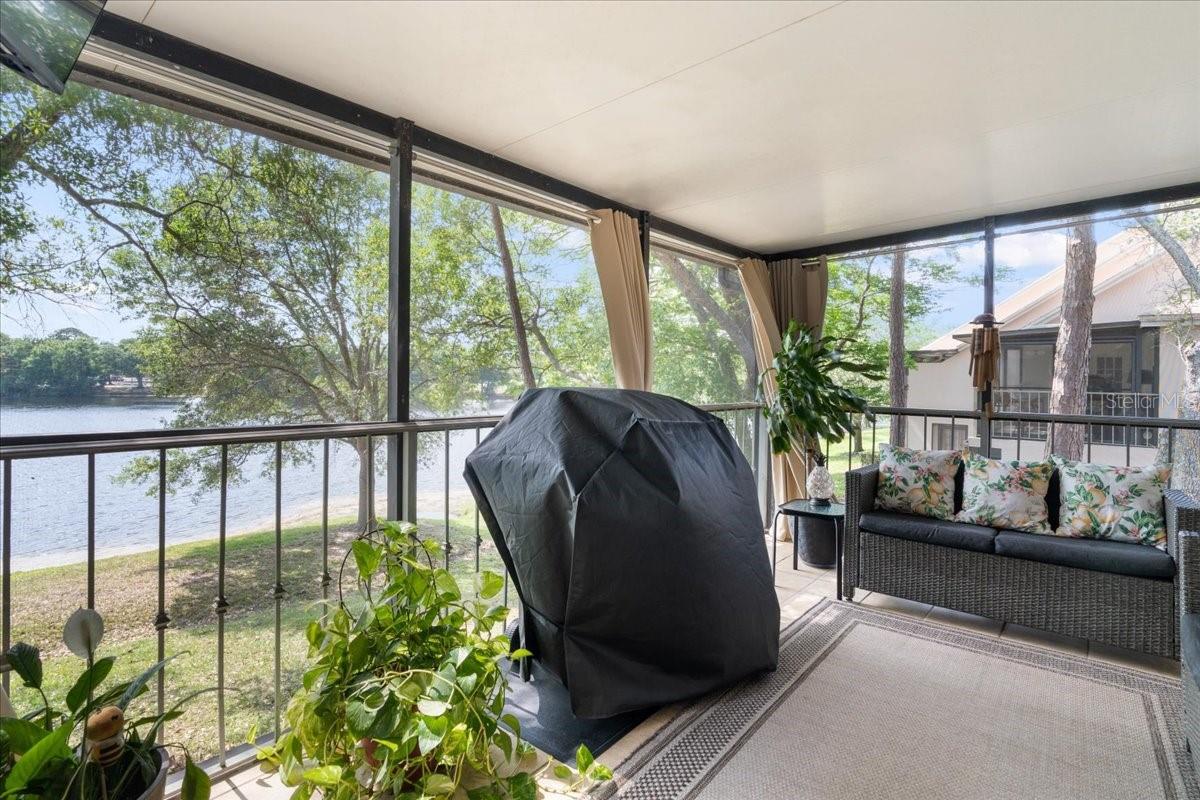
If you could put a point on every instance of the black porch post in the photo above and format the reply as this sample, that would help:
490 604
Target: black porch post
400 483
988 320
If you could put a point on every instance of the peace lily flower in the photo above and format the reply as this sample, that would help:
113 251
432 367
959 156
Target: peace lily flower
83 632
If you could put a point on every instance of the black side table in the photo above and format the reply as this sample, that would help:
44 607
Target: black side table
807 508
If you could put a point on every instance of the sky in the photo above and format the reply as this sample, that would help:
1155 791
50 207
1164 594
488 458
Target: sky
1029 256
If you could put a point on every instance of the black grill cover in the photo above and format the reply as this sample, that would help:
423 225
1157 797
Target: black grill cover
629 524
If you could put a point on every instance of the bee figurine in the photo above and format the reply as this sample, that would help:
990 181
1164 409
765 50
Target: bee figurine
104 739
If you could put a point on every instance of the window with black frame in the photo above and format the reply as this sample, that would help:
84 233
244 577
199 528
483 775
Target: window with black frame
161 270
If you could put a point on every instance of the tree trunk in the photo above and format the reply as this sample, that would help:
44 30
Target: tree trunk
1186 455
514 299
1186 451
34 127
897 370
1068 382
366 510
705 306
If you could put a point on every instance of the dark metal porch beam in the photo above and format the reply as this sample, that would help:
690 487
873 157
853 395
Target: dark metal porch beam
235 72
1099 205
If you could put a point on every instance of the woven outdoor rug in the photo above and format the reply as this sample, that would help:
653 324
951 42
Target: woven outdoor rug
870 704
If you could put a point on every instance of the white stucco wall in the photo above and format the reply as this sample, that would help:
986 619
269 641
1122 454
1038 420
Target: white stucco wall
1133 285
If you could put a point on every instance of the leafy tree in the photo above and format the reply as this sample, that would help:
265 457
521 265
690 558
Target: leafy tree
858 316
65 364
1178 234
260 271
703 343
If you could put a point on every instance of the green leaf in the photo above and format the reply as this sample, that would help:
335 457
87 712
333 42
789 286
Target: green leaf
563 772
519 653
512 723
21 733
599 772
430 732
432 708
360 717
366 557
86 685
446 584
139 683
522 787
583 758
196 783
27 663
490 584
51 748
438 784
327 775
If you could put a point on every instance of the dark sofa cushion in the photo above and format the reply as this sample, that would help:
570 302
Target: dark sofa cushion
1101 555
929 530
1189 645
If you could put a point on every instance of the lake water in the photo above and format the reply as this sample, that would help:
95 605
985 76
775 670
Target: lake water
49 513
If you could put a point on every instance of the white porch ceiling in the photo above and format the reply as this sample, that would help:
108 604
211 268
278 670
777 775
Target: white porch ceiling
769 124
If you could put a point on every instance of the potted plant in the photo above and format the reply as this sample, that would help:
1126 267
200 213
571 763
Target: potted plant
403 695
807 406
88 750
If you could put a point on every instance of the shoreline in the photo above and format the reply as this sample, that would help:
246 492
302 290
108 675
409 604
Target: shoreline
341 508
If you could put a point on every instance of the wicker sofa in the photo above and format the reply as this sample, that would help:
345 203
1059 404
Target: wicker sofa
1122 594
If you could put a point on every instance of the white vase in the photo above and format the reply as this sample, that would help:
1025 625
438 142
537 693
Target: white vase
820 484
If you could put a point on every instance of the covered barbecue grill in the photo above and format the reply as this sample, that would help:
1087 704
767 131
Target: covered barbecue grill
630 526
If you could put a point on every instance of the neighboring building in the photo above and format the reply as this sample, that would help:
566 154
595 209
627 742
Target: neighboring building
1135 368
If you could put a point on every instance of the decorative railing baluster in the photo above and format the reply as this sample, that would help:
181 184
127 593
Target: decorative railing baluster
326 578
6 559
446 488
370 456
161 620
478 538
91 531
221 604
1171 454
279 592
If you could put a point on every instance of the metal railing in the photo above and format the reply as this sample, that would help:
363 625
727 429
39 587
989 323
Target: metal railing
1112 404
1166 431
743 420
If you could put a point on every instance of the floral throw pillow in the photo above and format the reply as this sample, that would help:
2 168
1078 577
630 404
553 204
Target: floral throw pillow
917 481
1124 504
1006 494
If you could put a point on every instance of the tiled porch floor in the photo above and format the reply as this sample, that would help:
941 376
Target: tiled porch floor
798 591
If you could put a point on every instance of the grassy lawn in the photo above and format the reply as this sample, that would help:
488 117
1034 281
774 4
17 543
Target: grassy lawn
841 459
127 591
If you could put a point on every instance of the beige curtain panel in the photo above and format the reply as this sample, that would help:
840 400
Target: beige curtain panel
617 249
788 471
799 292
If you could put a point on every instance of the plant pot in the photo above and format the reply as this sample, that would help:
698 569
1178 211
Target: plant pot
816 542
158 786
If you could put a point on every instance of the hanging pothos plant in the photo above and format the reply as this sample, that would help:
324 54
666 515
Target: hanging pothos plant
808 405
403 695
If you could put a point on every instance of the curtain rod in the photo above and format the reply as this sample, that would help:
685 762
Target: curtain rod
1058 224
